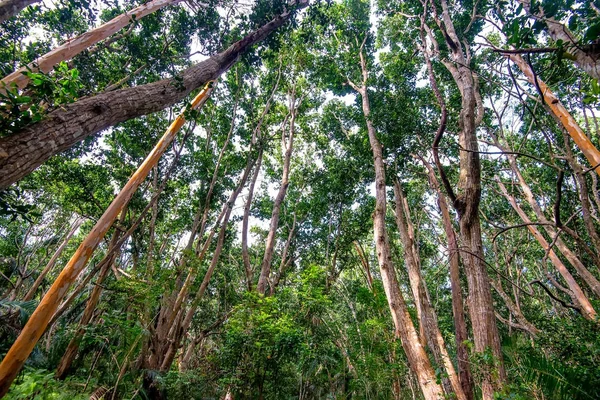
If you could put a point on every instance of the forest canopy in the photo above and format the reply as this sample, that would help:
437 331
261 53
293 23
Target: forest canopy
311 199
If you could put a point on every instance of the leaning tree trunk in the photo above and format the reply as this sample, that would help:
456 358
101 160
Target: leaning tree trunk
37 323
61 129
405 329
74 46
177 331
33 289
10 8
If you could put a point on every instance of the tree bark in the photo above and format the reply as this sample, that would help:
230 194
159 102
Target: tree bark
61 129
10 8
466 204
460 325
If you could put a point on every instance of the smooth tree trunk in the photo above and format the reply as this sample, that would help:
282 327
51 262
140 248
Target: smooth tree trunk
285 260
36 325
246 217
178 330
577 295
560 112
287 147
10 8
61 129
246 223
428 319
404 327
76 45
522 322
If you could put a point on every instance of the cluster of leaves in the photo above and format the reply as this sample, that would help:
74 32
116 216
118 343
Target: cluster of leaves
45 93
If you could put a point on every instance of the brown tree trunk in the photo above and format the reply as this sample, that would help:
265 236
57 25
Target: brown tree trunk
25 151
523 323
10 8
428 319
74 46
405 329
466 203
460 325
37 323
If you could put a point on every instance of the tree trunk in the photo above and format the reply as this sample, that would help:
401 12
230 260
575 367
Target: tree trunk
246 221
74 46
405 329
265 271
37 323
433 335
61 129
466 203
178 331
523 323
582 271
460 325
285 261
10 8
559 32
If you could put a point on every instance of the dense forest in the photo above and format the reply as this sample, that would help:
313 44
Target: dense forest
300 199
